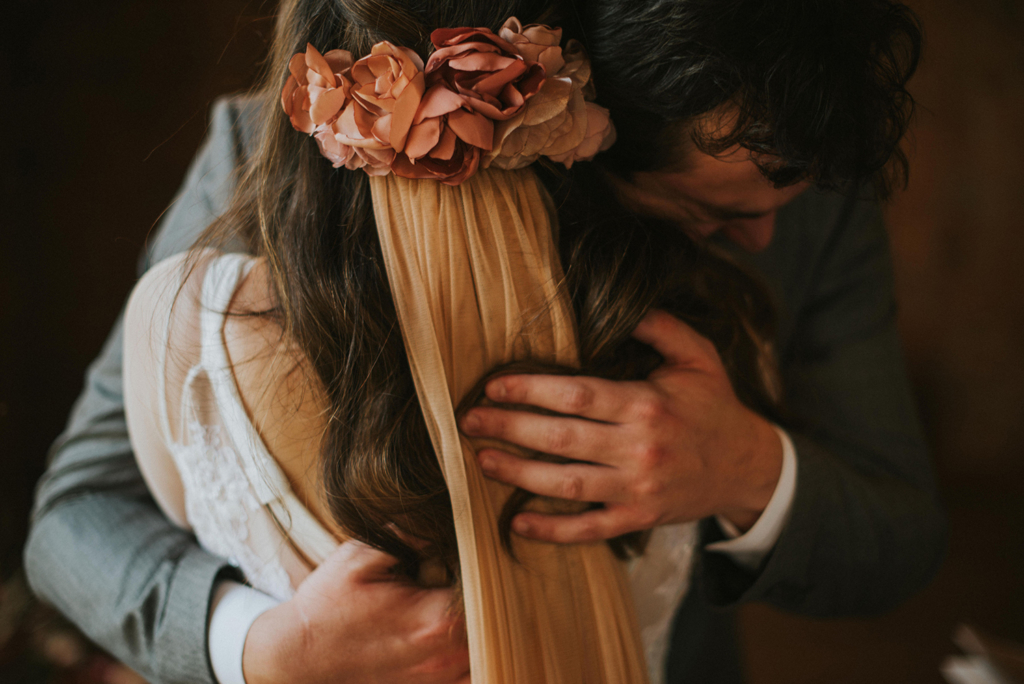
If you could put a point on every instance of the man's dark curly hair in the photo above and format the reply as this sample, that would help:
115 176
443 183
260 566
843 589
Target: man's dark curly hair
815 88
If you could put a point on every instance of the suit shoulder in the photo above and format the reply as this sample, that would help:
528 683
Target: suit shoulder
820 226
236 117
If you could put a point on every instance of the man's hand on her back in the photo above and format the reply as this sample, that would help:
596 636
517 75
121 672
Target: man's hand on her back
352 621
678 446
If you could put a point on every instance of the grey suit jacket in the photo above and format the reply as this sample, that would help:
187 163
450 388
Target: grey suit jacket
865 529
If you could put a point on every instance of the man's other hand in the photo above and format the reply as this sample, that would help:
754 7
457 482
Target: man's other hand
678 446
351 620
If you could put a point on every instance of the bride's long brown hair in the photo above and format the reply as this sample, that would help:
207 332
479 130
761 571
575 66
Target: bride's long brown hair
315 227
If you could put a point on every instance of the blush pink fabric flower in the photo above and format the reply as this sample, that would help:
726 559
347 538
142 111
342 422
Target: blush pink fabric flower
493 77
375 162
317 89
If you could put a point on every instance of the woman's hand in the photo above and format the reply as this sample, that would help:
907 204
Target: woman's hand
351 621
678 446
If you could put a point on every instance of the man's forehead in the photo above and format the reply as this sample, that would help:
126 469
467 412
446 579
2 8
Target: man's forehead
729 185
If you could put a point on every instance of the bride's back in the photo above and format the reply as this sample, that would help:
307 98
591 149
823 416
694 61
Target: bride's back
212 384
279 391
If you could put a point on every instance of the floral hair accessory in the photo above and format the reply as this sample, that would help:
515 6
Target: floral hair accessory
481 99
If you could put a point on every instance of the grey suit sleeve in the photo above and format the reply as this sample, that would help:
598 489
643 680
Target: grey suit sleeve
99 549
866 528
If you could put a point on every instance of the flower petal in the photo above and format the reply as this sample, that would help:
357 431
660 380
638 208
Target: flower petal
300 112
445 147
495 82
376 162
443 55
551 101
416 60
574 129
510 28
381 130
473 128
423 137
297 67
437 101
338 60
318 65
327 105
487 61
406 168
444 37
286 94
331 148
405 110
539 34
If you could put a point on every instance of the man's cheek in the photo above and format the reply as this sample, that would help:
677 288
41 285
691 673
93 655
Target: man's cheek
700 230
753 235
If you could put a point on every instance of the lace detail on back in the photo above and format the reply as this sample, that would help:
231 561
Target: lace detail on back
233 488
221 506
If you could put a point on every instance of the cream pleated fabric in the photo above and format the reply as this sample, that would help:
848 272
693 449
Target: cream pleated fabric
477 282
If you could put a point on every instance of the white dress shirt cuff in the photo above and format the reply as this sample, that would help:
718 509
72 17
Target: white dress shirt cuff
750 549
233 610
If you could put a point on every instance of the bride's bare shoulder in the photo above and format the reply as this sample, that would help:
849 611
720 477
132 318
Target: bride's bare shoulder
171 290
160 345
161 318
264 359
278 391
277 387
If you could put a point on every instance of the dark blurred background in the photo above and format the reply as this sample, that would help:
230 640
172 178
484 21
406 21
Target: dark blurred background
104 104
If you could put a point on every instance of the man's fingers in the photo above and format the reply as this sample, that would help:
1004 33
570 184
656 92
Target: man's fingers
591 398
591 526
680 344
572 481
440 639
574 438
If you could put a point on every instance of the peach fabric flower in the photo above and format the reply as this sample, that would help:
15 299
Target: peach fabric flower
388 85
488 71
558 122
393 125
386 89
317 89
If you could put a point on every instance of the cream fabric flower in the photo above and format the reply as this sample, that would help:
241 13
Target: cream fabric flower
558 121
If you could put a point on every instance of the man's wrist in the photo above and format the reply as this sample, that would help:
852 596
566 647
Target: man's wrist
762 467
274 649
234 608
750 548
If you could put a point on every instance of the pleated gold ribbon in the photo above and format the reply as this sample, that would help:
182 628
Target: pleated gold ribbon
476 281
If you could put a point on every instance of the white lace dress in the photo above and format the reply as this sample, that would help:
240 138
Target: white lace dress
210 471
